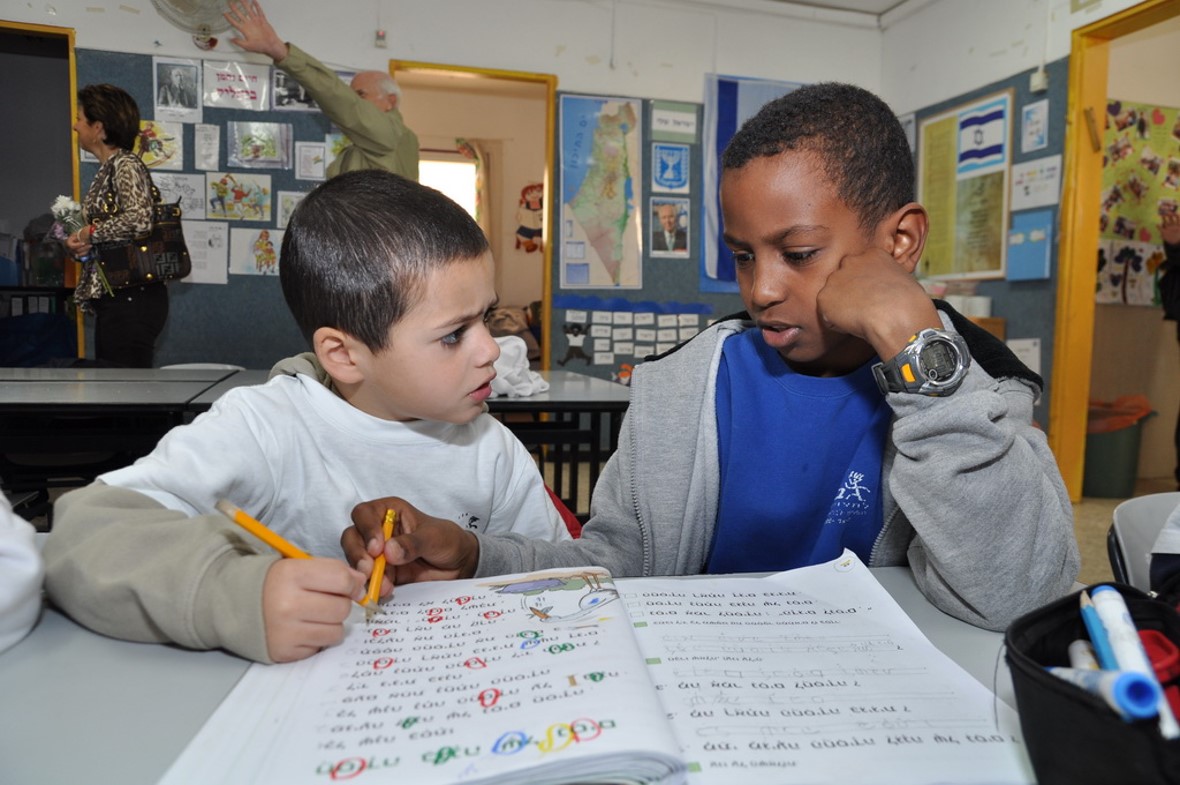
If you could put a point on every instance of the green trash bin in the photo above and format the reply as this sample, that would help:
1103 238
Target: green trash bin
1113 431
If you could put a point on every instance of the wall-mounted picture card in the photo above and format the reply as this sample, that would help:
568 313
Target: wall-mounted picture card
252 145
161 144
669 227
334 142
286 202
188 188
254 251
309 160
238 197
287 95
206 147
669 167
177 88
234 85
208 246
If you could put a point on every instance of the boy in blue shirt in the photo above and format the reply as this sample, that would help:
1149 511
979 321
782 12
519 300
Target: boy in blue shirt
844 409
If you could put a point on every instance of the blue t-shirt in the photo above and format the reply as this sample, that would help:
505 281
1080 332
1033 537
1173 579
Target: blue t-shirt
800 461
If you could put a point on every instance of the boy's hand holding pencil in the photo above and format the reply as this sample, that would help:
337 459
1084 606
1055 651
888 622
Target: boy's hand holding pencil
423 548
305 600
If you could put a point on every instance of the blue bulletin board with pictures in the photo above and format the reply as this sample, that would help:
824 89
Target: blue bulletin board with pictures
235 166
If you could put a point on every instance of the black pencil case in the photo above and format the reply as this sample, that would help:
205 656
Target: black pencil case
1072 736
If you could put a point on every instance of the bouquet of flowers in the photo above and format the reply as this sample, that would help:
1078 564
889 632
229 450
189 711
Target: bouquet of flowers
67 219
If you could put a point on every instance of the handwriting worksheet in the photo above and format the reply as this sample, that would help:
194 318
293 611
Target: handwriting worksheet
815 676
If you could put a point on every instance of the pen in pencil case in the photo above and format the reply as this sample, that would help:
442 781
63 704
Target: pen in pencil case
1128 649
1132 695
259 530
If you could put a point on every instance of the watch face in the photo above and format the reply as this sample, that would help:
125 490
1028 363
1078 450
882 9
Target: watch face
938 360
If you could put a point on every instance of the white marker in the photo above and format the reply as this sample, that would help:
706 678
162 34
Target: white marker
1128 648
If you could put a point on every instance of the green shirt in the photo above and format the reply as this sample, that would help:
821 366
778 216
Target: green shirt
377 140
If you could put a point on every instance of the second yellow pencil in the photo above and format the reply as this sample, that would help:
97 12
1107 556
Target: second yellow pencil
378 575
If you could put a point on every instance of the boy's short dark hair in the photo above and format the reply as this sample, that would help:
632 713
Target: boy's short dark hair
117 111
359 247
860 141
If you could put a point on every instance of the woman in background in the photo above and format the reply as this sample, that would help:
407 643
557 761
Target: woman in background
117 208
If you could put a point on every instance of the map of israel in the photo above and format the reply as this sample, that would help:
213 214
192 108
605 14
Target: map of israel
600 161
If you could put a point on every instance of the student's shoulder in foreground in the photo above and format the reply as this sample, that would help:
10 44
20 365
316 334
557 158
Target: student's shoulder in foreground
21 574
122 564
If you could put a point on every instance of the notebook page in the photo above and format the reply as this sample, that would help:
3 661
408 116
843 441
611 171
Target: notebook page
815 675
460 681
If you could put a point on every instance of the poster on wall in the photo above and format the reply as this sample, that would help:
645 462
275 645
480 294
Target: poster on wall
177 89
231 85
160 144
963 183
1140 182
669 227
254 251
599 154
238 197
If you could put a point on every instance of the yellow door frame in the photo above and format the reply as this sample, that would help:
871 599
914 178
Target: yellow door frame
1073 331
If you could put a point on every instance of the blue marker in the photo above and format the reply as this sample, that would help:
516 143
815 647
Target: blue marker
1131 694
1098 638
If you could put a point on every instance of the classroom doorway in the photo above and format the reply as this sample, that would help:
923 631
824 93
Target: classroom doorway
1073 345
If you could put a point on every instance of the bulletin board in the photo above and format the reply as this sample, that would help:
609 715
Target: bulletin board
242 318
963 163
626 284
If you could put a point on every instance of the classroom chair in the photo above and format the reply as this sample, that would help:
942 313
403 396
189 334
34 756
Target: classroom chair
1137 522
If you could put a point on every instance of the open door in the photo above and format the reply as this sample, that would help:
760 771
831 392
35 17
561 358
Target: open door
512 114
1080 207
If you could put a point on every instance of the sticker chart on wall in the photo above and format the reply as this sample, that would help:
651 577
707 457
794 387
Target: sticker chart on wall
1140 183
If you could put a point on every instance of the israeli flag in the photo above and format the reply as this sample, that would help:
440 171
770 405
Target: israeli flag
983 138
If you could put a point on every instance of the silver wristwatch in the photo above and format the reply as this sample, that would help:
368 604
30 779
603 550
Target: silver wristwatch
933 363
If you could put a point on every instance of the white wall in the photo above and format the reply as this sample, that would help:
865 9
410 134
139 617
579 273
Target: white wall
644 48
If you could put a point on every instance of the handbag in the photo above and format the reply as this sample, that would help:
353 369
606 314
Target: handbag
161 255
1073 737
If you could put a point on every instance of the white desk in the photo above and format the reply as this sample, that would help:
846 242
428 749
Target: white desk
76 707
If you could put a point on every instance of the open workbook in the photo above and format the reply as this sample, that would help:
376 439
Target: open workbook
565 676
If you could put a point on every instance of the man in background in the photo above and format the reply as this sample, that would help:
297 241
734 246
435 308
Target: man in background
366 110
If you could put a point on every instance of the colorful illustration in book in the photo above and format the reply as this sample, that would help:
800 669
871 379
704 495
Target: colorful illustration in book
561 598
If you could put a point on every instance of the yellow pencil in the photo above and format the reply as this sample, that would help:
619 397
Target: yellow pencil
379 563
259 530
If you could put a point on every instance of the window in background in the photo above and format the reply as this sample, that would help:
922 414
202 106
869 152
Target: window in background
455 178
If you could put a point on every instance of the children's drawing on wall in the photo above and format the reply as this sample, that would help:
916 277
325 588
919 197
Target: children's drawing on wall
562 598
259 145
237 196
208 247
669 227
600 153
254 251
529 218
1140 183
287 201
188 188
160 144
